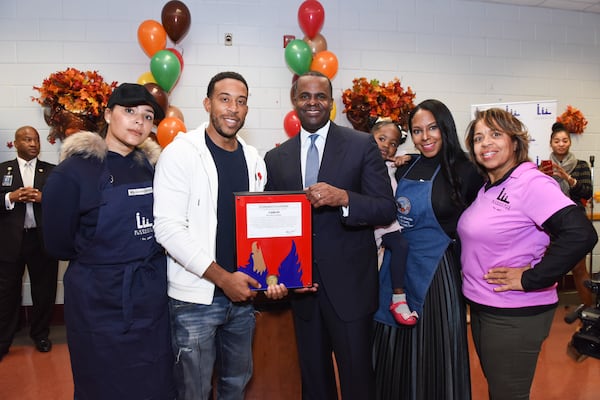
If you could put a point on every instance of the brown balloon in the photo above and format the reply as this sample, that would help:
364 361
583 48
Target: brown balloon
161 97
173 111
176 19
316 44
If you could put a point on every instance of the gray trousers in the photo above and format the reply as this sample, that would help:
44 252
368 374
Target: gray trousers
508 349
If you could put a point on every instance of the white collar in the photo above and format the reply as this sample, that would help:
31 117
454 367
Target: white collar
321 132
22 162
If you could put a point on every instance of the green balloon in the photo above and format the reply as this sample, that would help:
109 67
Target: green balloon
165 68
298 56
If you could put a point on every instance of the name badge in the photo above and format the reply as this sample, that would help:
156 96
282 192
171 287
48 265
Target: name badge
7 180
140 191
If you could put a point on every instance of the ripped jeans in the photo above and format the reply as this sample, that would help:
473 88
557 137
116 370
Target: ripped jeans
206 337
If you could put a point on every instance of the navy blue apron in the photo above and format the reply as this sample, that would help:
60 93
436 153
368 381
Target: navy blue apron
116 305
427 243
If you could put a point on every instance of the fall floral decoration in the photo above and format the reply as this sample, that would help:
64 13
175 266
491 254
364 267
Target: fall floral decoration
367 100
73 100
573 120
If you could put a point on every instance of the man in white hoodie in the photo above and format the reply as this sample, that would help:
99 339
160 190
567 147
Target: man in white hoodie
212 316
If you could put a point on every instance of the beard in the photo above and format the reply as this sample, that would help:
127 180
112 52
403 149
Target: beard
223 130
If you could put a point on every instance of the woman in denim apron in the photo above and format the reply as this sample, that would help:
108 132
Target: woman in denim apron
429 360
99 204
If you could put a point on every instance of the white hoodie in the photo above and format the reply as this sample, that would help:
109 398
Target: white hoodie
185 210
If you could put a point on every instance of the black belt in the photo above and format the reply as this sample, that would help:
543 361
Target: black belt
30 229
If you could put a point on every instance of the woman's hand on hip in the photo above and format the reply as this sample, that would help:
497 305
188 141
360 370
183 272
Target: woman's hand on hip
506 278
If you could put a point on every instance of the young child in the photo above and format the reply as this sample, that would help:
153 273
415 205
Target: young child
388 137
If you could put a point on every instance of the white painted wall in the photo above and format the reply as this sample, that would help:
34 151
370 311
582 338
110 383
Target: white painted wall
461 52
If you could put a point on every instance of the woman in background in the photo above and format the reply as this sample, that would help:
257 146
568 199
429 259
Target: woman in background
510 265
98 215
430 359
575 180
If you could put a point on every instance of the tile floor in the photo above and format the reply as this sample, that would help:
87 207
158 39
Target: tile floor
26 374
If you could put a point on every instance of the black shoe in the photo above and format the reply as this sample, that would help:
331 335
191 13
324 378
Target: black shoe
3 352
43 345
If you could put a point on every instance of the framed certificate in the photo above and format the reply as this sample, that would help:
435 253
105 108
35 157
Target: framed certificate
274 237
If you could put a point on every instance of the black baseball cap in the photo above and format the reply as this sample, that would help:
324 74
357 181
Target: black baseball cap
133 94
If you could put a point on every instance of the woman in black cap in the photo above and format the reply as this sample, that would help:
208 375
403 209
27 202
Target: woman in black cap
98 205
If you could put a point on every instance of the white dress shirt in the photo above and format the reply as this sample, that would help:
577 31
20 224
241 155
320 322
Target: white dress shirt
305 144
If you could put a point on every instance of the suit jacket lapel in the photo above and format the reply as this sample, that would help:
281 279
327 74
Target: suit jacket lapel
16 173
291 157
335 147
39 175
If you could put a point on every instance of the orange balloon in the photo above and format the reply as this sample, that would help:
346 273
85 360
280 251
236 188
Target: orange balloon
174 112
152 37
326 63
168 129
316 44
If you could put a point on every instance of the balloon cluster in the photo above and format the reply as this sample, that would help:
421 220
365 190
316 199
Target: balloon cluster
309 54
166 64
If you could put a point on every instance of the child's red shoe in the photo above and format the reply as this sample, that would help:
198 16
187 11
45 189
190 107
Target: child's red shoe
403 318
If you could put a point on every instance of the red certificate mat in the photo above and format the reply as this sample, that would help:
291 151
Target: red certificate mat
274 237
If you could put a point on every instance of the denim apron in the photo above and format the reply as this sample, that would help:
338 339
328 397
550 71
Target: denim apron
116 303
427 243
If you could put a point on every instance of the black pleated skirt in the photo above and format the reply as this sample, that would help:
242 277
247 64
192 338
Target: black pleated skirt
429 361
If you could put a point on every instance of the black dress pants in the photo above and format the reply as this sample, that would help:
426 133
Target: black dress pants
43 272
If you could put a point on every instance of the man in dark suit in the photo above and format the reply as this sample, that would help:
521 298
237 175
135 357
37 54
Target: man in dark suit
352 195
21 243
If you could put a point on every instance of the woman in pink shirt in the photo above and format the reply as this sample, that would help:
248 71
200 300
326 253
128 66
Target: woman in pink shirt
510 266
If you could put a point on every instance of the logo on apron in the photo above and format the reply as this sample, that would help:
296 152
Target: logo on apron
403 205
143 224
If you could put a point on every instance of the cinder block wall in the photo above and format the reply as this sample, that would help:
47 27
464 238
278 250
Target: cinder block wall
461 52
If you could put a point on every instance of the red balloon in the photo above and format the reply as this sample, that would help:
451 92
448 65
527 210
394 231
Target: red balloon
161 97
178 55
176 19
311 17
326 63
168 129
291 123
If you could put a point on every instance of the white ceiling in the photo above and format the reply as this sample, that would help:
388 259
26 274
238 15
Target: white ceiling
592 6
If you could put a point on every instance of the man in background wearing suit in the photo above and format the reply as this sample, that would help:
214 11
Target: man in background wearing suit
352 194
21 243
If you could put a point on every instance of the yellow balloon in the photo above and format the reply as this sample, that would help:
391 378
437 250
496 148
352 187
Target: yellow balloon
146 77
333 111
